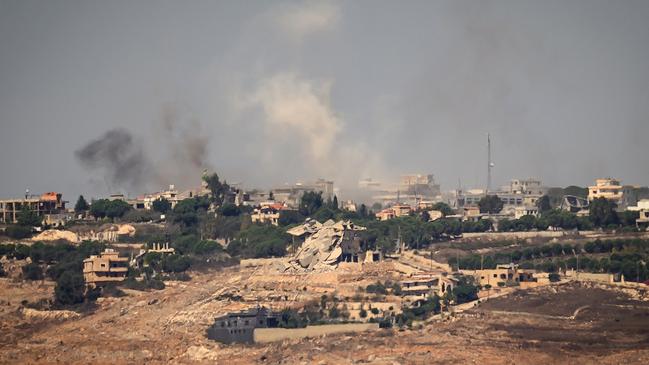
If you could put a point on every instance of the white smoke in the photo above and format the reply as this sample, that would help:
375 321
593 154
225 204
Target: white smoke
299 20
300 107
298 110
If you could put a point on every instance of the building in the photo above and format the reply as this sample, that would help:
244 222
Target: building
239 327
161 248
502 275
526 187
608 188
523 210
268 212
369 184
292 195
424 285
643 213
395 211
107 267
574 204
48 203
519 197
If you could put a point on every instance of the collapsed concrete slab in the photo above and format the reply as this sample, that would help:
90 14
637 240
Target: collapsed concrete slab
326 244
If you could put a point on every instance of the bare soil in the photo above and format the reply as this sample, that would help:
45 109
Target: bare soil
168 326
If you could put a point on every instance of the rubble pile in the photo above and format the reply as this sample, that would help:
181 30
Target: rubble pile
324 244
56 235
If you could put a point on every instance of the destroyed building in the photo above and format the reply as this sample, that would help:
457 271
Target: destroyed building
239 327
326 244
43 205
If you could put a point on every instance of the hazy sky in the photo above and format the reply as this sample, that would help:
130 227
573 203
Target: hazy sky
268 92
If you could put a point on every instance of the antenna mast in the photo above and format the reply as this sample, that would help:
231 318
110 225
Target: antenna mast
489 163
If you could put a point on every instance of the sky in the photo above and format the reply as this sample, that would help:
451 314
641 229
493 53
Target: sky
100 97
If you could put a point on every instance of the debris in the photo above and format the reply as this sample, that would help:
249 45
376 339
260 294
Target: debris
55 235
326 244
34 314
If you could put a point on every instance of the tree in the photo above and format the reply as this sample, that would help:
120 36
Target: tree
98 208
444 208
117 209
161 205
32 271
628 217
602 212
311 201
229 210
70 288
220 190
82 205
287 217
334 204
18 232
490 204
28 218
465 290
543 204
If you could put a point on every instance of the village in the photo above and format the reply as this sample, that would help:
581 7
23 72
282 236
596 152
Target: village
351 273
296 182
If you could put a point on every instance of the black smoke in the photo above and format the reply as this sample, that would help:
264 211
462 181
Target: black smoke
118 157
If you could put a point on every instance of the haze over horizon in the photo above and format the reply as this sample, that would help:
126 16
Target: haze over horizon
99 97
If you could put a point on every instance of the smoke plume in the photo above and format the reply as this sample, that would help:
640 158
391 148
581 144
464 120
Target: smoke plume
177 154
121 160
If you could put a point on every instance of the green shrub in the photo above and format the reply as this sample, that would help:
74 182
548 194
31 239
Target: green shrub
18 232
289 318
385 323
146 284
32 271
377 288
70 288
363 313
554 277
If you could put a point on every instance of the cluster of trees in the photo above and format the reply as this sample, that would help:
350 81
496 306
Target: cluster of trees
382 288
632 265
60 262
26 220
464 291
105 208
414 232
626 256
260 241
602 214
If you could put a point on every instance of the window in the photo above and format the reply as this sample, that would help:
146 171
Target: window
495 276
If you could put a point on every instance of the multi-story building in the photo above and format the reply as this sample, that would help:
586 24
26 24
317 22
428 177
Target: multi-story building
519 197
107 267
398 210
239 327
526 187
502 275
419 185
267 212
291 195
424 285
642 207
46 204
608 188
